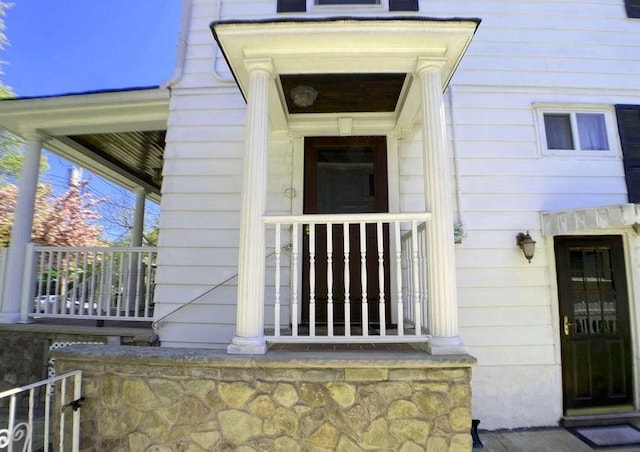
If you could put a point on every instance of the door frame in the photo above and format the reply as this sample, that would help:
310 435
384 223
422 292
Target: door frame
393 195
632 276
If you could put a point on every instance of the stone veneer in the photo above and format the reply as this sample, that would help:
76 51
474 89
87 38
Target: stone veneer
166 399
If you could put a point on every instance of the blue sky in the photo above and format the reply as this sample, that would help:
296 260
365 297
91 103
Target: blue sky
63 46
60 46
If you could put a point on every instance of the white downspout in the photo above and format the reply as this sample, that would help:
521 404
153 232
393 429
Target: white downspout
214 67
181 54
459 226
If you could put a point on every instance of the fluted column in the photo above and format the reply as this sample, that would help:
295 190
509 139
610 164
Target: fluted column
249 337
442 291
21 230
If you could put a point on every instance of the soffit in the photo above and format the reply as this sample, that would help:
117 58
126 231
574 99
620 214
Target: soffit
325 52
118 135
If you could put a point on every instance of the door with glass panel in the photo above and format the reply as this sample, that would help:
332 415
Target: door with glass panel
344 175
594 324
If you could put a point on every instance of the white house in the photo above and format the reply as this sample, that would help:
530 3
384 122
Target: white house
366 172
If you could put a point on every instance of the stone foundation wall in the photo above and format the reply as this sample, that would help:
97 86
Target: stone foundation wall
161 399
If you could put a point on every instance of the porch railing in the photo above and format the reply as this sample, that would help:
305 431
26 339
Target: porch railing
96 283
346 278
39 415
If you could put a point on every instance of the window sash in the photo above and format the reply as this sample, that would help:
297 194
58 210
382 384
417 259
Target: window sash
576 131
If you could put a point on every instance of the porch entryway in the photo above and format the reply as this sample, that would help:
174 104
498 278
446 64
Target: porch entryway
594 325
345 175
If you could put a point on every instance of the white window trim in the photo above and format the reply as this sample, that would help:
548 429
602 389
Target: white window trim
312 7
571 109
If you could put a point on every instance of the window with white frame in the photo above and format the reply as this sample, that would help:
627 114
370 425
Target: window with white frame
576 131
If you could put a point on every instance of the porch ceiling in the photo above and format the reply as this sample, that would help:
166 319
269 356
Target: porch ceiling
363 69
118 135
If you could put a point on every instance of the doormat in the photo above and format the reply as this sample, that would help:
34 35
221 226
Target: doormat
608 435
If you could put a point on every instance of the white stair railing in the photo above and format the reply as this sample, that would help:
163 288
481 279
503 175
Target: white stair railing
42 416
85 282
351 278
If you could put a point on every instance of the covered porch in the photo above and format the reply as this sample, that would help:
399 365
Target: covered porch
346 78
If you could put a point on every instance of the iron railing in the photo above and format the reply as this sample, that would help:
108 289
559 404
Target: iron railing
42 416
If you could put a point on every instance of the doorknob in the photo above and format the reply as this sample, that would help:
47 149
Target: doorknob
307 230
567 325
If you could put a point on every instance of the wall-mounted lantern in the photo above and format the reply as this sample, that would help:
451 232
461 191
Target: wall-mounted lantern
527 244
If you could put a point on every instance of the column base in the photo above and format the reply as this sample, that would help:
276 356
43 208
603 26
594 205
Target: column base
453 345
9 318
247 346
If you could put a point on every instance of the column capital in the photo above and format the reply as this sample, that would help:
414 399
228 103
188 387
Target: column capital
430 64
33 135
264 65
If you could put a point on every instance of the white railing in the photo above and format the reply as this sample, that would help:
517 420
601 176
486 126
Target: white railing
96 283
346 278
3 266
42 414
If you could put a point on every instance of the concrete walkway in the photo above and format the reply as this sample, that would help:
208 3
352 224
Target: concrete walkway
538 440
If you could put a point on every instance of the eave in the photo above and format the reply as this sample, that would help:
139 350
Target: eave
345 46
132 117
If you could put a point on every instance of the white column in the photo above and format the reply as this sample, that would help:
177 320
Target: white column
136 286
21 231
249 337
138 217
442 290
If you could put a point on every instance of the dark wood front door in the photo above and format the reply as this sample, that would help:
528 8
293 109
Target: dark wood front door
344 175
594 323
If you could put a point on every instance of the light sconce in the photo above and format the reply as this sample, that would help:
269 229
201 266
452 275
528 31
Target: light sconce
527 244
303 95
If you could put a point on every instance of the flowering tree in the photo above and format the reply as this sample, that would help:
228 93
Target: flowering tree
65 220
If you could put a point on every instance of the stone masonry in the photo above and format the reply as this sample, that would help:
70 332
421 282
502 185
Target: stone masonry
163 399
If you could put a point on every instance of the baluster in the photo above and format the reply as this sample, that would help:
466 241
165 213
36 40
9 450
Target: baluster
380 241
312 280
276 307
58 302
139 283
415 277
43 281
120 280
92 298
149 280
294 279
62 411
347 281
423 274
363 278
83 292
64 296
330 279
400 308
74 284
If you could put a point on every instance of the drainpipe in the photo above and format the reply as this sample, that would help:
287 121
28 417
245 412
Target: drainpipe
214 68
459 230
181 54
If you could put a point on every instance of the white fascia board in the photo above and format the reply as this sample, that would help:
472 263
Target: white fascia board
122 111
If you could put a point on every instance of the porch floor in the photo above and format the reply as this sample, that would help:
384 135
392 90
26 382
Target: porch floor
82 326
368 347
